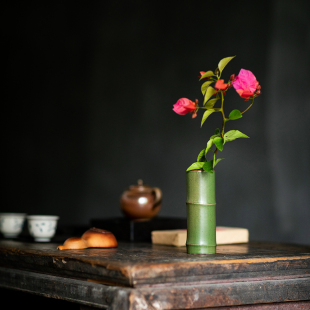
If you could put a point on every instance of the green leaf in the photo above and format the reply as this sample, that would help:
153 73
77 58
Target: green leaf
201 154
209 144
195 166
206 115
210 104
204 86
219 159
234 114
208 166
217 131
218 141
222 64
206 74
232 135
208 94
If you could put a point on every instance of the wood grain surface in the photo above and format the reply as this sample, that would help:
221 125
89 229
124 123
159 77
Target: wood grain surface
135 265
198 296
145 276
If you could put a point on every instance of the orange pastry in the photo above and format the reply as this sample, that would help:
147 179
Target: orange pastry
92 238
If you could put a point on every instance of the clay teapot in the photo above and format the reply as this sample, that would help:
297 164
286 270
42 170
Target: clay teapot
141 202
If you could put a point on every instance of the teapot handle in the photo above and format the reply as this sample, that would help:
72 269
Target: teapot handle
158 196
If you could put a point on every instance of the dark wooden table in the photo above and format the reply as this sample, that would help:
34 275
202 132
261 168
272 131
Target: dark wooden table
146 276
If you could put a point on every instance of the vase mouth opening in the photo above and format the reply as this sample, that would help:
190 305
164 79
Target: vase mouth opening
199 170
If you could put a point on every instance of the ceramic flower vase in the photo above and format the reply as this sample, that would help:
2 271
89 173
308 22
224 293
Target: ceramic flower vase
201 215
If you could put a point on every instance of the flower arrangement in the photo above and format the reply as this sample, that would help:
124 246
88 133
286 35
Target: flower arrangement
245 85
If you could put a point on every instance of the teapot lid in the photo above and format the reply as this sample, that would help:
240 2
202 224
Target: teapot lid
140 186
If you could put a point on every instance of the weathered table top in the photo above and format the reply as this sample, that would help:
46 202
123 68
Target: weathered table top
162 277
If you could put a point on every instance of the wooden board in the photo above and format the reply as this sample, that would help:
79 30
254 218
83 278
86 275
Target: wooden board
147 265
261 294
178 237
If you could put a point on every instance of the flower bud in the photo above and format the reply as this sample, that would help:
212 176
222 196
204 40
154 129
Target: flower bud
220 85
184 106
201 74
232 77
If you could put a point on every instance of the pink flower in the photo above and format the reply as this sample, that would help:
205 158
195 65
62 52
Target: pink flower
220 85
245 84
184 106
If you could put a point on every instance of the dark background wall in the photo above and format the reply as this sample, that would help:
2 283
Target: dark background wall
87 108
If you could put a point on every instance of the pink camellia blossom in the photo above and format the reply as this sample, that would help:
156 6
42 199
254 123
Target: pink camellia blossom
184 106
245 84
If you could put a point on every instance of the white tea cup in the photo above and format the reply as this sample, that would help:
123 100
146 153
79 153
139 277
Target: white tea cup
11 224
42 227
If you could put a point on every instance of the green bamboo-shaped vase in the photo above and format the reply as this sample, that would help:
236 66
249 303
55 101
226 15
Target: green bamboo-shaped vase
201 215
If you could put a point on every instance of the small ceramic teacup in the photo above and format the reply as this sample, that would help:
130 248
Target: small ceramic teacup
42 227
11 224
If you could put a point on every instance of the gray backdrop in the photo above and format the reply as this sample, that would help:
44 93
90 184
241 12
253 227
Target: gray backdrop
88 96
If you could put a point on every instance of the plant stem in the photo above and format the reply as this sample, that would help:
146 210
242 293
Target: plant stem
223 115
215 152
248 106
